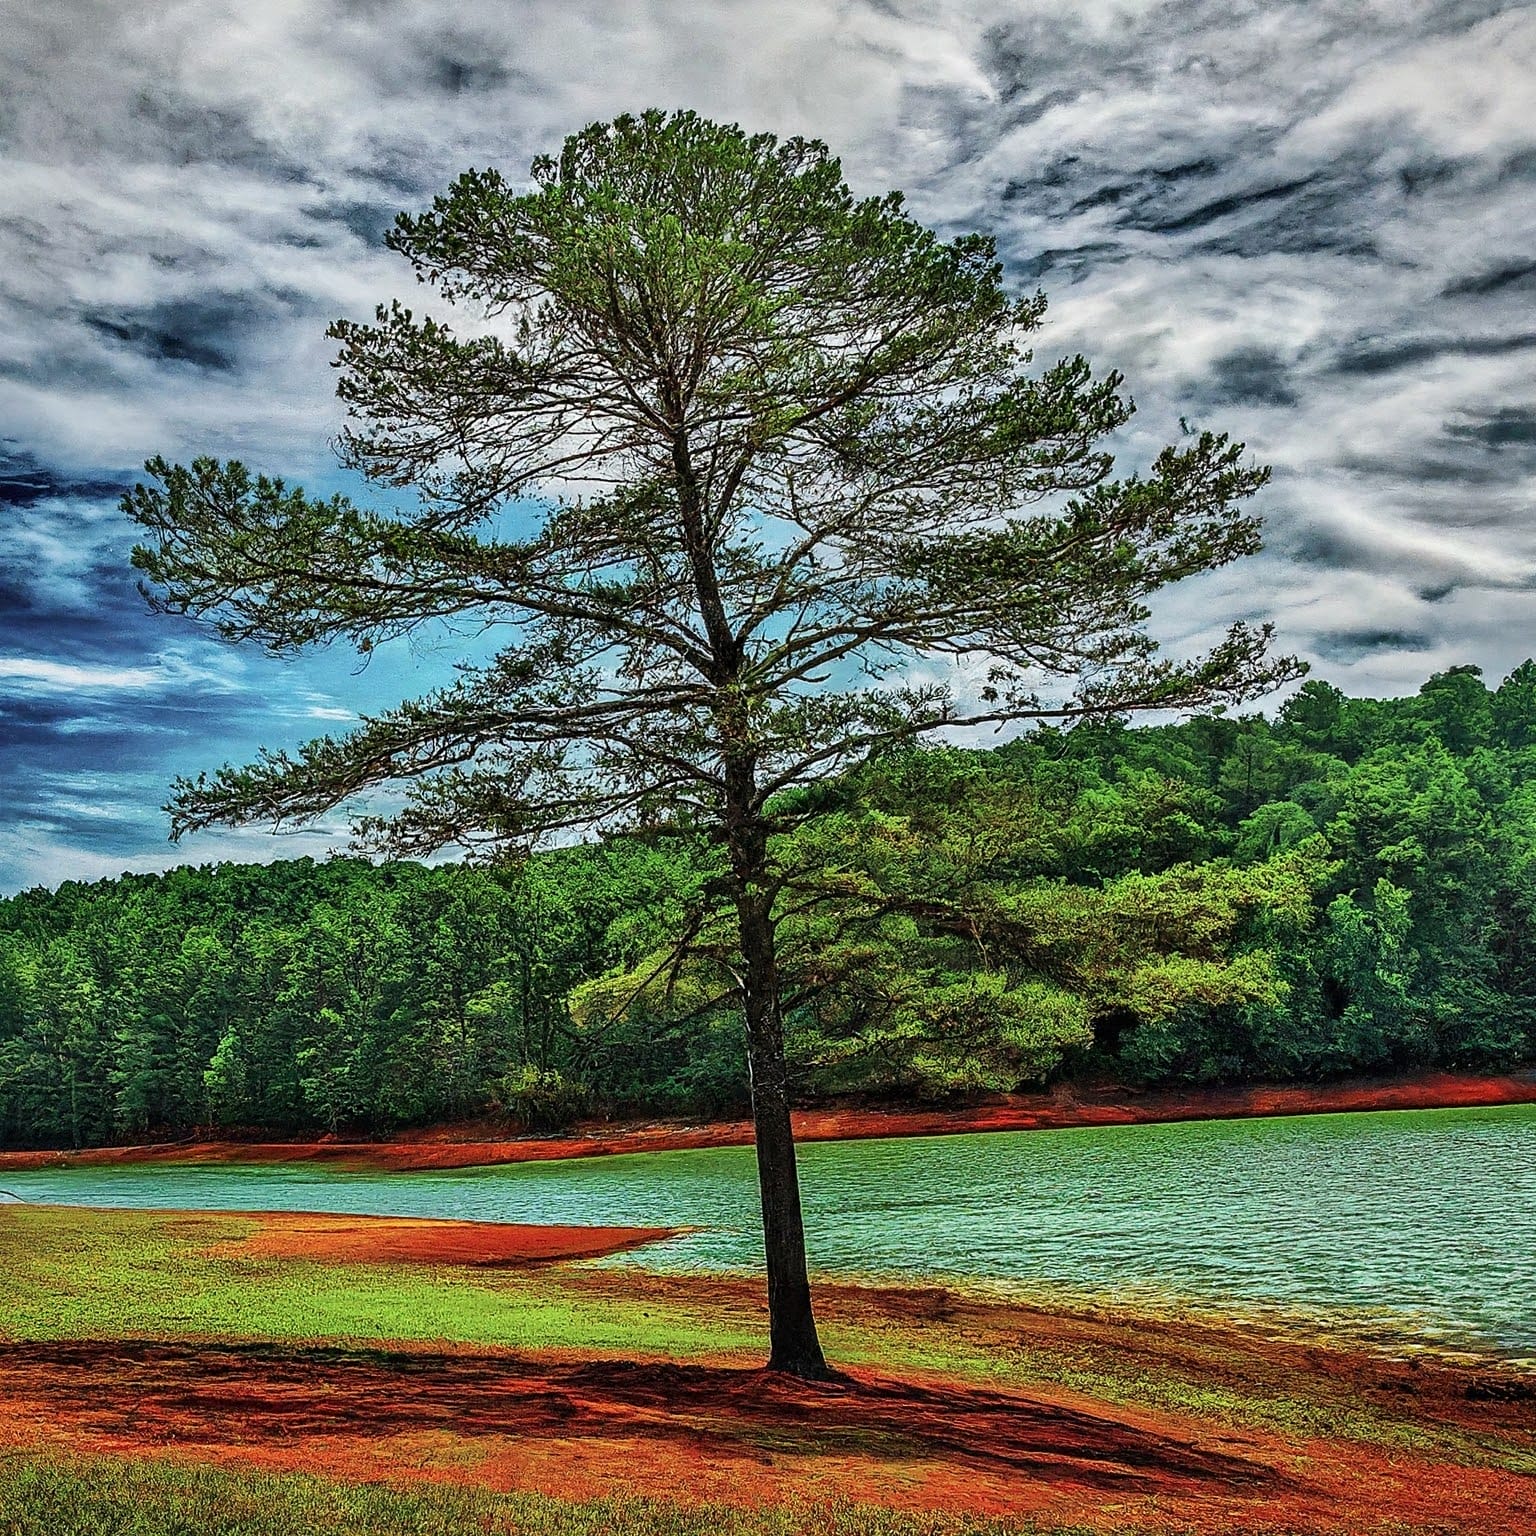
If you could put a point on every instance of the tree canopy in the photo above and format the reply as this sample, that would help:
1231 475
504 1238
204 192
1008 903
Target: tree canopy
719 447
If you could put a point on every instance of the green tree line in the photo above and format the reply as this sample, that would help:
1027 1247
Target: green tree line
1345 888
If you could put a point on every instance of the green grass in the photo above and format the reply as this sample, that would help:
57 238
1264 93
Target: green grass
1306 1407
71 1273
1098 1374
108 1497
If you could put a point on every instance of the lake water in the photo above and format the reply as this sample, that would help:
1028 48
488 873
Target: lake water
1421 1221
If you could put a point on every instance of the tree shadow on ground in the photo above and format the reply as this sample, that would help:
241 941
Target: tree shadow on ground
152 1392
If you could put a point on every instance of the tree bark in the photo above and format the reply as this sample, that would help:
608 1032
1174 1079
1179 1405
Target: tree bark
794 1346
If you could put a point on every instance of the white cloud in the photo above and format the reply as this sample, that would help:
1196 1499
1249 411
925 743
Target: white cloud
1467 93
62 677
39 856
210 671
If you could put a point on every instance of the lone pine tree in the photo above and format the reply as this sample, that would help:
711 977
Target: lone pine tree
720 450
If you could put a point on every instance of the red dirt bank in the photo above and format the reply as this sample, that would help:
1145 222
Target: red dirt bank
424 1240
458 1147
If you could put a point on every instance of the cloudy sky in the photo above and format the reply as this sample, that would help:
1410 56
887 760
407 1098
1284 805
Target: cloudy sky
1312 224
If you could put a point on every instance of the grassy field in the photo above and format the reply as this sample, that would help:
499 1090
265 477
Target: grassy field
71 1273
158 1374
102 1497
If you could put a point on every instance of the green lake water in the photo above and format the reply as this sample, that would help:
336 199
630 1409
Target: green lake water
1408 1221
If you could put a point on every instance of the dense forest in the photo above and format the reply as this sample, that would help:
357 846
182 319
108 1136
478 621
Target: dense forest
1345 888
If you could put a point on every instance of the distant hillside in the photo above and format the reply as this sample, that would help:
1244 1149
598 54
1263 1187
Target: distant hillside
1349 888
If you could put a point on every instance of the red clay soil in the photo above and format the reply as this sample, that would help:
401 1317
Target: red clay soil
420 1240
460 1147
717 1432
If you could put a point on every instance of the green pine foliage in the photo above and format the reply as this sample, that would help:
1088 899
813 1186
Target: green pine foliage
1347 888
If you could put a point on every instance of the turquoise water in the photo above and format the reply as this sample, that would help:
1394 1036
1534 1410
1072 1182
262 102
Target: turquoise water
1412 1219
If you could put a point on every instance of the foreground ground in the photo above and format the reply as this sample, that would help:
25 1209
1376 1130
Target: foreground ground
177 1362
481 1144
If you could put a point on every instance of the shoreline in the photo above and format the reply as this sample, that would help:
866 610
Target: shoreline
459 1147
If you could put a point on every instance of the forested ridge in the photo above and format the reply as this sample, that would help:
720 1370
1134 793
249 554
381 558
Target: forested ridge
1346 888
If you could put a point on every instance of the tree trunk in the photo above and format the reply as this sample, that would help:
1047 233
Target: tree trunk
794 1345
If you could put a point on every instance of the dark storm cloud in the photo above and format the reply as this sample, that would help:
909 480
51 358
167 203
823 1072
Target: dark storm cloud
462 71
1512 427
206 331
1518 277
1352 644
1158 222
24 482
369 222
1378 356
1149 190
1251 376
1064 264
1325 547
194 131
1308 222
